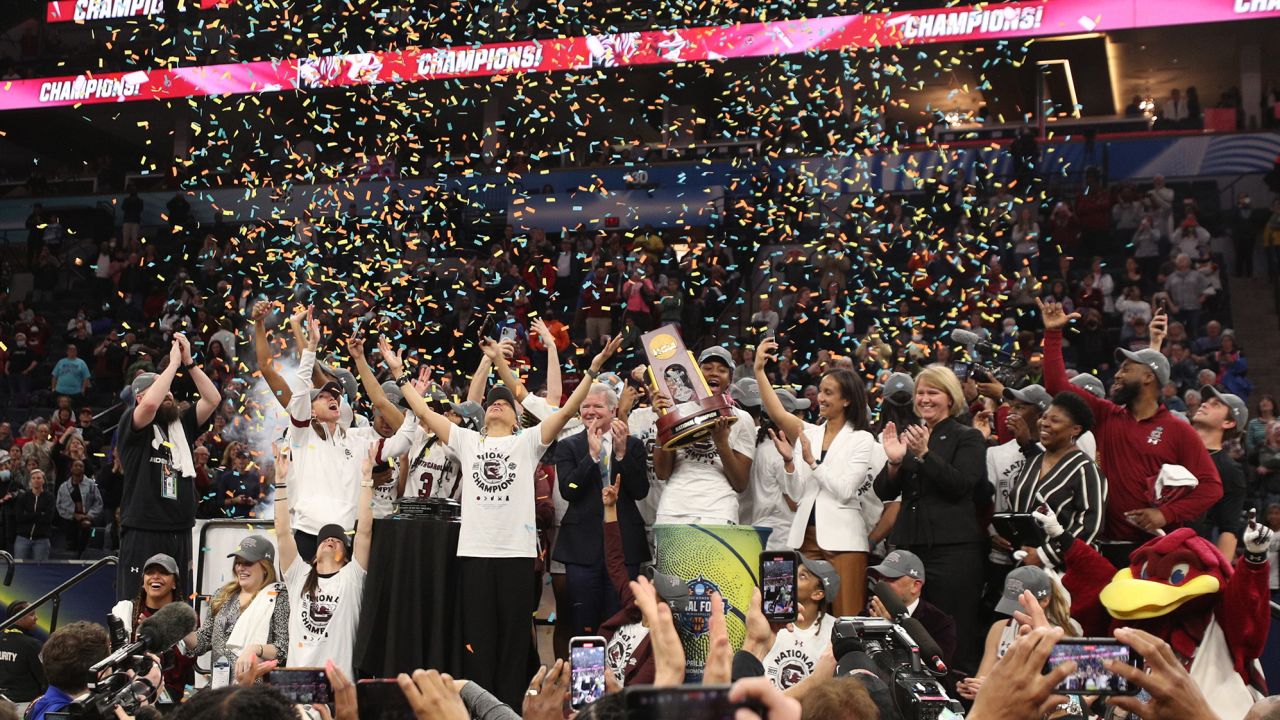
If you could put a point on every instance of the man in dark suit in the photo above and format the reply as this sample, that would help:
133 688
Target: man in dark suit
903 572
603 452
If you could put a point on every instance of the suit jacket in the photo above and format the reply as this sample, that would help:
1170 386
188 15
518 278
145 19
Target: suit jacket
581 537
940 626
838 492
940 494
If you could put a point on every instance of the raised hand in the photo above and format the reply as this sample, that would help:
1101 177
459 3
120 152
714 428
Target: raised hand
1055 318
543 332
175 351
620 433
806 451
423 383
1158 328
432 695
491 349
1256 538
662 402
261 310
1174 695
782 444
895 448
609 495
313 330
355 346
595 442
719 665
767 350
606 352
918 439
390 357
283 458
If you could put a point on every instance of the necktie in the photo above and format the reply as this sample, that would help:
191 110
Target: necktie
606 458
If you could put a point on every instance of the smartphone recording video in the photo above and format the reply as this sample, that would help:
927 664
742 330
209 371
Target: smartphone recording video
586 670
302 686
1090 677
778 585
382 699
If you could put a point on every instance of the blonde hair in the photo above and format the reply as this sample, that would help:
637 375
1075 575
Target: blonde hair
1059 611
941 378
226 592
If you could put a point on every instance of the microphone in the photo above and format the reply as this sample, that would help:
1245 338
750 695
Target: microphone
965 337
156 634
929 650
887 597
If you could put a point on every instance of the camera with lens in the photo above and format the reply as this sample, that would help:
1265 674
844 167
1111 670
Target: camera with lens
120 689
885 649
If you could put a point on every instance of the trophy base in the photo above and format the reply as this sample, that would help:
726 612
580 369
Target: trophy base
689 422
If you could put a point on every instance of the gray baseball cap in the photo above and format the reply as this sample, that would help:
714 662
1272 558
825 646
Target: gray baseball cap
470 412
1019 579
899 563
1239 411
1153 359
344 378
142 382
393 393
746 392
254 548
672 589
899 389
1032 395
791 402
165 561
1090 383
717 352
332 387
826 574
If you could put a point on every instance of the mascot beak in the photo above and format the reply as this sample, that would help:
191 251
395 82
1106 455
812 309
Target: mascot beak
1129 598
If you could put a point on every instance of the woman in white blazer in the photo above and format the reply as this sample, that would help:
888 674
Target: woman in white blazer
830 482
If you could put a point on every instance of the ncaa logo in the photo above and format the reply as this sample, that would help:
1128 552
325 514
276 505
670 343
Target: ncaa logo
696 618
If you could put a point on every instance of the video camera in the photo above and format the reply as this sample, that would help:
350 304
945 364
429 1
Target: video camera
892 653
126 685
988 361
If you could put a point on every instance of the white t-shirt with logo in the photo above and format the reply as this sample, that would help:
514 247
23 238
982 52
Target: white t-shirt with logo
541 409
698 487
324 627
498 517
795 653
643 426
620 652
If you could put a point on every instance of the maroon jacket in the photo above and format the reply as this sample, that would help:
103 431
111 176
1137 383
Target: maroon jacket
640 666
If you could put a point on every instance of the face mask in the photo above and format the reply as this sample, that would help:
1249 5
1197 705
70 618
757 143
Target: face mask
21 343
5 475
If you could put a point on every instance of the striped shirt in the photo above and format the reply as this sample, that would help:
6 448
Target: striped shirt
1075 489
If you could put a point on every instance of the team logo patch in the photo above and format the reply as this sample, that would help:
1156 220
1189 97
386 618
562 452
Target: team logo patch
1154 437
696 618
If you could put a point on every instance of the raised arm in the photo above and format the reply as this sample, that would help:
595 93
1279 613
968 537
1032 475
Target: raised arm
284 535
434 421
210 398
364 509
479 381
497 353
266 362
307 337
150 401
555 388
552 426
790 424
377 396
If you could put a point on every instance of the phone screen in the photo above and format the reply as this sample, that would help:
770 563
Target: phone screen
302 686
778 586
383 699
1090 677
586 670
686 702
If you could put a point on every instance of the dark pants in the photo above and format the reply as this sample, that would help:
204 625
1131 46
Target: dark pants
137 546
953 582
1244 256
592 597
497 625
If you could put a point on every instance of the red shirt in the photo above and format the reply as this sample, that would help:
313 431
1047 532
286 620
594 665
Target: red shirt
1131 452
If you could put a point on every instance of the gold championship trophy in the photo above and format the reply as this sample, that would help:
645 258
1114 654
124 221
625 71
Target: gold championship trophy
674 371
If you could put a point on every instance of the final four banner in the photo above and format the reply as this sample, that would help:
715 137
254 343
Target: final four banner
710 558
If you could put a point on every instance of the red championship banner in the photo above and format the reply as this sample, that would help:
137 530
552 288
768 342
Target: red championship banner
91 10
1037 18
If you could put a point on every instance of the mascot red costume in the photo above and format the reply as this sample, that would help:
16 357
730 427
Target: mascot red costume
1181 589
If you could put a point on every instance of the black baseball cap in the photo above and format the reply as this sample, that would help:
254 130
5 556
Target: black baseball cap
500 392
332 530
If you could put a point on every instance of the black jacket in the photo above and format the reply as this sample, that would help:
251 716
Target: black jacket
940 494
940 626
35 514
581 537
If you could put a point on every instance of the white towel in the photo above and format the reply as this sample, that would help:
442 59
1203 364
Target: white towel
254 623
179 448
